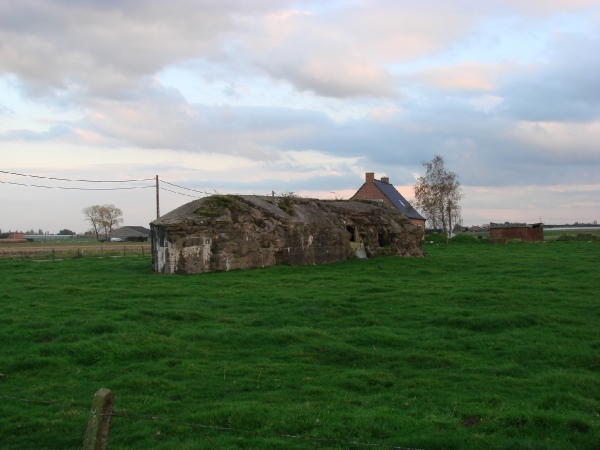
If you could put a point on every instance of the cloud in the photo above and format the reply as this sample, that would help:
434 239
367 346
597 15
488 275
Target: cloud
464 76
493 120
105 46
5 111
566 88
561 142
329 69
401 30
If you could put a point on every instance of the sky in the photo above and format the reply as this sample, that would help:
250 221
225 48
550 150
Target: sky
232 96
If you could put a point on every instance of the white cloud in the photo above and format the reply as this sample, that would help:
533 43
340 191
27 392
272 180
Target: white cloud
560 141
302 96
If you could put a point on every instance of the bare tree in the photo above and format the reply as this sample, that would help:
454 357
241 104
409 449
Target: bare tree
103 218
437 194
93 215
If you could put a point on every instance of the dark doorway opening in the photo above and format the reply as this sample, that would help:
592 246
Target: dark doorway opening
383 240
352 232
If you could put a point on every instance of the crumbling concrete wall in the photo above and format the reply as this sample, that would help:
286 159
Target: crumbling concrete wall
241 232
524 233
507 230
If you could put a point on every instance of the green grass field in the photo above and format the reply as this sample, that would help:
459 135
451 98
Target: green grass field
473 347
550 234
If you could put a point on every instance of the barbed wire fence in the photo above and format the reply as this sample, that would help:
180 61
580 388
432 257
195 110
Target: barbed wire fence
102 411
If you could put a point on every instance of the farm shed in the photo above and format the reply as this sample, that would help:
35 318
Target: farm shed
245 231
507 230
383 190
128 233
14 238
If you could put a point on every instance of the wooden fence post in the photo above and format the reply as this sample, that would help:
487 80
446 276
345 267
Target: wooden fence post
142 250
96 433
124 250
53 255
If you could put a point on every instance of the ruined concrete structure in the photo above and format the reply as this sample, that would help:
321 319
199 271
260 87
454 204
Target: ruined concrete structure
226 232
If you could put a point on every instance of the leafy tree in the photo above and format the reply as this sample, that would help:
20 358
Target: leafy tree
66 232
103 218
437 194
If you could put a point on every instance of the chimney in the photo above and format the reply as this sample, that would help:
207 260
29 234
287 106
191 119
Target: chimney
369 177
386 180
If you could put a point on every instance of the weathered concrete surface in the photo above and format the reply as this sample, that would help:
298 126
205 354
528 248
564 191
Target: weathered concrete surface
242 232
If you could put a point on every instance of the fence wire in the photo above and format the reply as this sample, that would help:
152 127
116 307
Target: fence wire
199 426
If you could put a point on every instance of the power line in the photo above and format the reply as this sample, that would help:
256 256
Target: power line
182 187
77 189
180 193
68 179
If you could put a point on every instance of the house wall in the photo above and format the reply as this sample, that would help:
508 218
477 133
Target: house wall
525 233
419 222
369 191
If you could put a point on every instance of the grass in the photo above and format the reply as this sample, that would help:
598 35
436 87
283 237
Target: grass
550 234
473 347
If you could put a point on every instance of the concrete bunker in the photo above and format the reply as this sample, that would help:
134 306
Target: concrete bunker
228 232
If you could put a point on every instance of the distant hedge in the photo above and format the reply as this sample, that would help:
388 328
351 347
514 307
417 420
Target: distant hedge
437 238
463 239
580 237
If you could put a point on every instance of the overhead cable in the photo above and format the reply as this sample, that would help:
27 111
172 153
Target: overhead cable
180 193
78 189
68 179
183 187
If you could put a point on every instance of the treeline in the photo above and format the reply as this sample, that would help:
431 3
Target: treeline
40 232
576 224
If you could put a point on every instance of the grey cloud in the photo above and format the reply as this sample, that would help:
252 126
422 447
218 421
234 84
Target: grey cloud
104 55
161 118
481 147
5 111
328 183
326 67
566 88
56 131
103 45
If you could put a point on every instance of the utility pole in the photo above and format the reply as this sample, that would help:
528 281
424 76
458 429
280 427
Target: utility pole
157 200
450 219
